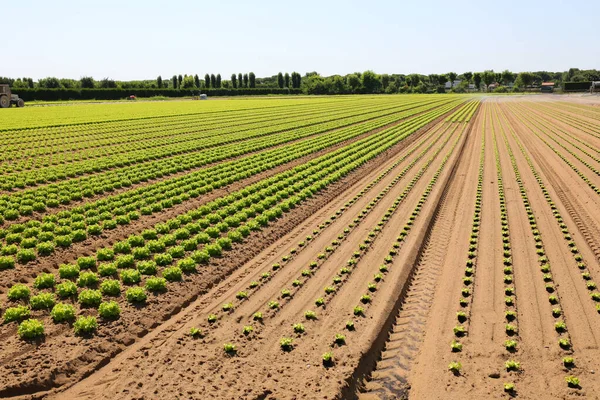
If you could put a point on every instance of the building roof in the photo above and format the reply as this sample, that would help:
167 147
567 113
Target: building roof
547 83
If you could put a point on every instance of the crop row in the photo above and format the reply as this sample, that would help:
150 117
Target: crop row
170 137
567 236
361 309
571 137
65 227
62 172
279 193
545 129
464 313
560 326
341 277
464 114
287 294
579 123
88 136
77 189
510 314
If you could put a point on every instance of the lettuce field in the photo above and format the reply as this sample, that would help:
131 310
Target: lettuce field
350 247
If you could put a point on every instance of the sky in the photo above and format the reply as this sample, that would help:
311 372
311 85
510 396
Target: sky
141 39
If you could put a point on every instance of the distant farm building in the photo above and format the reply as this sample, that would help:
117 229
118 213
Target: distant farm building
547 87
454 84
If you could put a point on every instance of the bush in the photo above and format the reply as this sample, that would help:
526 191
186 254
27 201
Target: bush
109 310
110 287
31 329
18 291
63 313
172 274
18 313
66 289
156 284
136 295
90 298
43 301
85 325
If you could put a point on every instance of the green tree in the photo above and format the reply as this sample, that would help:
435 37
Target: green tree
218 81
240 80
451 77
280 81
385 81
468 76
49 83
207 80
353 82
286 80
507 77
371 82
252 79
245 80
477 80
107 83
179 80
88 82
188 83
442 79
525 79
488 77
234 81
213 81
197 81
174 81
159 81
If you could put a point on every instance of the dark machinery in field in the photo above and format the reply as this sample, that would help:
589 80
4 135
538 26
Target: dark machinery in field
7 99
595 88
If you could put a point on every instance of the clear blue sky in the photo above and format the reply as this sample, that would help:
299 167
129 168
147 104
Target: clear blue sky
140 39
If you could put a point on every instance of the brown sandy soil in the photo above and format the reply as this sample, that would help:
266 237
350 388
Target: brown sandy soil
400 348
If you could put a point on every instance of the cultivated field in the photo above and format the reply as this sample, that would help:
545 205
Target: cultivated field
370 247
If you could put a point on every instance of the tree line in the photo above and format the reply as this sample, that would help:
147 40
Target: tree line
314 83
